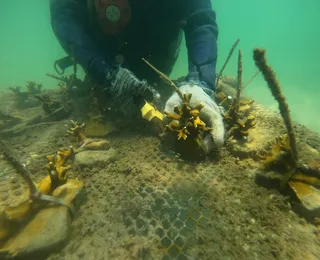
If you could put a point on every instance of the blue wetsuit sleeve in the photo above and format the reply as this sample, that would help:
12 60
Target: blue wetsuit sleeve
70 24
201 33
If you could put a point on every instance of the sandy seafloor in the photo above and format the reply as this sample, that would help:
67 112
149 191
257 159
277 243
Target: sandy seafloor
145 200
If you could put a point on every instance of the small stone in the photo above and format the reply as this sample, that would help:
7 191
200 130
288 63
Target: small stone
91 158
309 197
47 231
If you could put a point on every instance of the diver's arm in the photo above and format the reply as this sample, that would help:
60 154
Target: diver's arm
201 32
69 21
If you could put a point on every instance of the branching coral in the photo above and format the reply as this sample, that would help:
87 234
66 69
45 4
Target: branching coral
187 121
238 123
33 87
57 169
78 130
240 128
15 90
68 85
26 98
49 105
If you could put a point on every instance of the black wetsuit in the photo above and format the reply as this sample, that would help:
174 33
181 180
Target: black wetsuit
154 33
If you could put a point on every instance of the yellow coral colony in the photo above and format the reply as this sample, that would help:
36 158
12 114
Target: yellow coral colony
13 215
78 130
186 121
57 171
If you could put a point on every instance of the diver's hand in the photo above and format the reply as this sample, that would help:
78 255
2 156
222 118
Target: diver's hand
210 113
127 91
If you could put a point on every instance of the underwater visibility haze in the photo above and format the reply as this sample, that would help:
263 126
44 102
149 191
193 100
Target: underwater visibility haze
288 30
78 180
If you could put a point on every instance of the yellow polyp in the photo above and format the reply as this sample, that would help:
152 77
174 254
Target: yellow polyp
45 185
58 161
197 122
78 131
183 133
172 116
51 158
194 112
63 156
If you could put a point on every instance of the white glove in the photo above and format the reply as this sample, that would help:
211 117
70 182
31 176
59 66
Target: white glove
210 113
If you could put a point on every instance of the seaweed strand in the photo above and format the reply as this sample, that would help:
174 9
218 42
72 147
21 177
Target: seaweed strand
273 84
239 80
162 75
227 60
251 79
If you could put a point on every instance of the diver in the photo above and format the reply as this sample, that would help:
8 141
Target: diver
109 38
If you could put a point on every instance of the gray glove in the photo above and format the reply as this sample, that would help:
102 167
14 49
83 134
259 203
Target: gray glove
210 113
127 93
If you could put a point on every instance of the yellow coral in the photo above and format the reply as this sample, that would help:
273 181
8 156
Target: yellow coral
57 169
78 130
189 120
183 133
86 143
